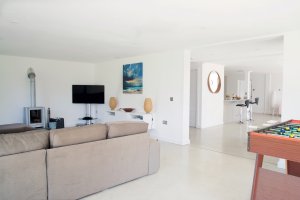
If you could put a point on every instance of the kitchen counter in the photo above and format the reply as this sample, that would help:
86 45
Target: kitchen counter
232 112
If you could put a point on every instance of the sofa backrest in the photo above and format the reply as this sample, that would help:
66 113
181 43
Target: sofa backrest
77 135
119 129
14 128
14 143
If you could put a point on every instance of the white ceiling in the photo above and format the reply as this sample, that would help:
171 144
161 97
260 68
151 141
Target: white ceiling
257 55
97 30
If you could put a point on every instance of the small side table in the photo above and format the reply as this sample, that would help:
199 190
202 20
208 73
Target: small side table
88 120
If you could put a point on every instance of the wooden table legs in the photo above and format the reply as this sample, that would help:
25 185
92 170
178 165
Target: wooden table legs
258 164
271 185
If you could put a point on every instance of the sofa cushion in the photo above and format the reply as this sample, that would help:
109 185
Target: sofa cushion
22 142
14 128
119 129
77 135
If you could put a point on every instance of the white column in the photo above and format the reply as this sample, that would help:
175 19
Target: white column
186 98
290 86
212 104
291 71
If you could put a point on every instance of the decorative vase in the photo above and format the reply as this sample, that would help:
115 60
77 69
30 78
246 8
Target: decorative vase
112 103
148 105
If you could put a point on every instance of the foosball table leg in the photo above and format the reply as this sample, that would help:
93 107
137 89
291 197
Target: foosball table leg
258 164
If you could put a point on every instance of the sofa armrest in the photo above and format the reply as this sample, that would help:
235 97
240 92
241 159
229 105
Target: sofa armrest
23 176
154 156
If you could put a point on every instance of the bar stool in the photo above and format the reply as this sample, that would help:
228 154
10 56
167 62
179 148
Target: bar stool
241 109
251 103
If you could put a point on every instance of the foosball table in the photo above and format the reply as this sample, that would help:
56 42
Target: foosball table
282 141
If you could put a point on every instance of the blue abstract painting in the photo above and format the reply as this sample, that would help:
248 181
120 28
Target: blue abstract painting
133 78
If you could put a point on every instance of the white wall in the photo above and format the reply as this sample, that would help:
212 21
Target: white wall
232 78
291 71
165 75
276 82
211 105
258 81
273 83
54 81
263 83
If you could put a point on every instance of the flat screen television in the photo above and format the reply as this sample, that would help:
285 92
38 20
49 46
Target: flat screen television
89 94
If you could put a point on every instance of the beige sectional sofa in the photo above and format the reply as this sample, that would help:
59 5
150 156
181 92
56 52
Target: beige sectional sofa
72 163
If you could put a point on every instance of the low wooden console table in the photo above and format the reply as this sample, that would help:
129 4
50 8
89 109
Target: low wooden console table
282 141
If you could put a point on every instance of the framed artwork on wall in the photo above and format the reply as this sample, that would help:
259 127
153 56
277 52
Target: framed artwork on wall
133 78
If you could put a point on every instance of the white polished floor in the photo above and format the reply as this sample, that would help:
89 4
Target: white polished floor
215 166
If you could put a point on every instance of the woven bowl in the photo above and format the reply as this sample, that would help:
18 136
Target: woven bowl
128 109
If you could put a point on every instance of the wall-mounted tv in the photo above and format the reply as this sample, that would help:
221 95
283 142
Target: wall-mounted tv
89 94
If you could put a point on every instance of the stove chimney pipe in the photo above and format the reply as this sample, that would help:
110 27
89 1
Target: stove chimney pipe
31 76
